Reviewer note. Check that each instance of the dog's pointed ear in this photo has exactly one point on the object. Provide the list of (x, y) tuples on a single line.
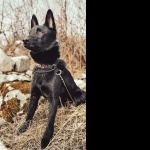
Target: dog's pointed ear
[(49, 20), (34, 21)]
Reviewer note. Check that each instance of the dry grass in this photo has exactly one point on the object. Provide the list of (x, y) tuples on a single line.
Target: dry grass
[(10, 108), (72, 48), (73, 52), (69, 130)]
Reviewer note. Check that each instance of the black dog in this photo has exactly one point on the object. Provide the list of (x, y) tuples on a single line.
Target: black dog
[(51, 78)]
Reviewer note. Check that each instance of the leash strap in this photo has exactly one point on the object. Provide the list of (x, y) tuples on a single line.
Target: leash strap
[(59, 74)]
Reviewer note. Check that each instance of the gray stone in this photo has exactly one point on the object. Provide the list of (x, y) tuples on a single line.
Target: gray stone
[(3, 78), (80, 83), (29, 73), (10, 77), (81, 76), (6, 64), (23, 78), (13, 77), (21, 63)]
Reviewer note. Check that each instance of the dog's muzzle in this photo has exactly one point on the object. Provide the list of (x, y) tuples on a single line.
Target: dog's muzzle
[(26, 41)]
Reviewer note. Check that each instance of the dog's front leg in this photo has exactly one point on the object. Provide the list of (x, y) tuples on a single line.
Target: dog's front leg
[(33, 103), (53, 102)]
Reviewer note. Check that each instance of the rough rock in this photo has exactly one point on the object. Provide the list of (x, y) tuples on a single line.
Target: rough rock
[(80, 83), (81, 76), (21, 63), (13, 77), (6, 63), (29, 73)]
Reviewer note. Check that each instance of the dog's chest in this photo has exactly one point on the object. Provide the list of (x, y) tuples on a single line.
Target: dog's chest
[(44, 78), (46, 83)]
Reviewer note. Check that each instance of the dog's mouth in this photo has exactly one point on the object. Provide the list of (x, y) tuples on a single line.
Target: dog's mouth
[(31, 48), (27, 44), (35, 48)]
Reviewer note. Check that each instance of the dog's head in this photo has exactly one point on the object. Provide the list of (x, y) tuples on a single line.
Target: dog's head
[(41, 37)]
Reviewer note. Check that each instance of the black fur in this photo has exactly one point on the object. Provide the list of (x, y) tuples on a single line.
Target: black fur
[(45, 50)]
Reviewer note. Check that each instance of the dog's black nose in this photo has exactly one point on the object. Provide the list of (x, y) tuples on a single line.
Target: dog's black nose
[(25, 41)]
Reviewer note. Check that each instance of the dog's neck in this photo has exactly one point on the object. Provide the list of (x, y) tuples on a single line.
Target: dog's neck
[(47, 57), (50, 66), (53, 44)]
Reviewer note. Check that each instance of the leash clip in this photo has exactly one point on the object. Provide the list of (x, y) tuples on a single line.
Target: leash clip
[(58, 72)]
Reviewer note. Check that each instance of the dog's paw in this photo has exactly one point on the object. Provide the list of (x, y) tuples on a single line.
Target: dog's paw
[(46, 139), (24, 127)]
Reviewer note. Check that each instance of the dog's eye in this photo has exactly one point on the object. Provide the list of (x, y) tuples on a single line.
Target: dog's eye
[(39, 33)]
